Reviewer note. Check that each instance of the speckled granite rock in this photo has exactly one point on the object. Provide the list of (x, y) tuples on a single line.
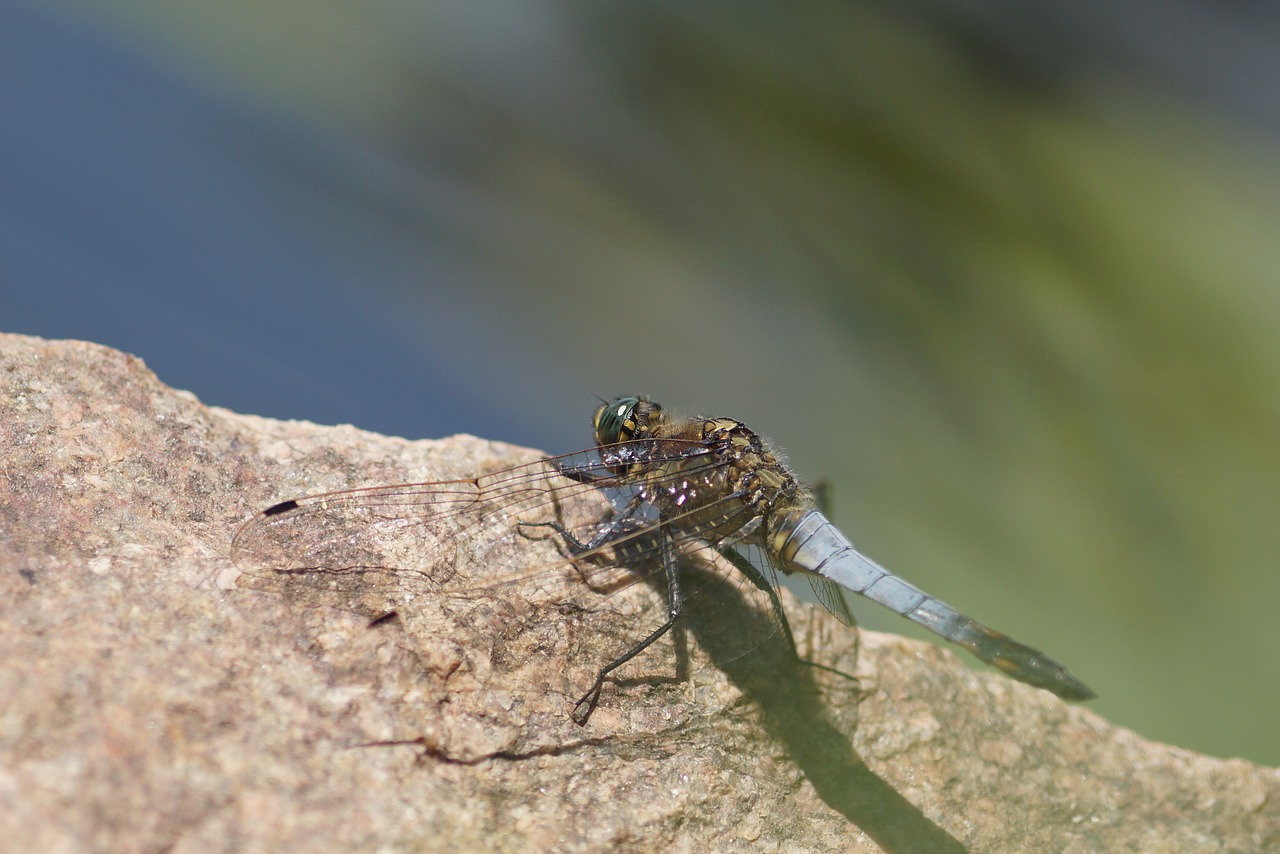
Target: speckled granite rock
[(154, 700)]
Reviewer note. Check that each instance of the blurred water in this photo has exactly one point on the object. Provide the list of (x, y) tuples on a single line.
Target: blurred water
[(146, 210)]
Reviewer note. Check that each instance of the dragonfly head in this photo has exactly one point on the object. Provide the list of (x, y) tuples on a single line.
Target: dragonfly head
[(624, 419)]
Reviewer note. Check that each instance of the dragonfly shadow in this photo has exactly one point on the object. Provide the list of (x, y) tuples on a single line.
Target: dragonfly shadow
[(795, 713)]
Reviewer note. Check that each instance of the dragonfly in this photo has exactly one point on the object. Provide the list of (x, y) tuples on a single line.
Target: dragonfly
[(657, 491)]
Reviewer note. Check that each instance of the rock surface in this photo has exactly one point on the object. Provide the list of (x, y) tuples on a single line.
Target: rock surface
[(155, 700)]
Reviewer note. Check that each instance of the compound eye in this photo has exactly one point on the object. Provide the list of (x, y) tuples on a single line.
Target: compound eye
[(614, 421)]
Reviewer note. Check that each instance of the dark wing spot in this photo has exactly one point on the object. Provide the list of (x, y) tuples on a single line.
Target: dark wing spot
[(282, 507)]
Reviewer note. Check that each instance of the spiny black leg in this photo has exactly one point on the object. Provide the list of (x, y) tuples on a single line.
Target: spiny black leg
[(576, 547), (621, 524), (587, 702)]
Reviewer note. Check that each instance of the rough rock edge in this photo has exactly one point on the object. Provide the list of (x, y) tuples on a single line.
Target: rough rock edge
[(153, 704)]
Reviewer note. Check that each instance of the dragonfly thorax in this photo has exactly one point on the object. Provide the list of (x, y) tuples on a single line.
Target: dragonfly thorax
[(726, 489)]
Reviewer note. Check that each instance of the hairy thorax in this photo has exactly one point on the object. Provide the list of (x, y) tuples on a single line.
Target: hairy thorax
[(727, 491)]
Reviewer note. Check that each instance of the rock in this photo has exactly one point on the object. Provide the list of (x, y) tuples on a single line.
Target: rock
[(160, 696)]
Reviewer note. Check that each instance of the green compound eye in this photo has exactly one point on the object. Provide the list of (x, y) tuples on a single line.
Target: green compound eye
[(614, 422)]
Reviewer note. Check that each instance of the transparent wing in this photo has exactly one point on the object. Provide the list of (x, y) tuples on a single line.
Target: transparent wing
[(829, 594), (383, 547), (453, 535)]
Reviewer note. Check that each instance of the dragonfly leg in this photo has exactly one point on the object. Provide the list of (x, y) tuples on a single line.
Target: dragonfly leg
[(619, 524), (576, 546), (587, 702)]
